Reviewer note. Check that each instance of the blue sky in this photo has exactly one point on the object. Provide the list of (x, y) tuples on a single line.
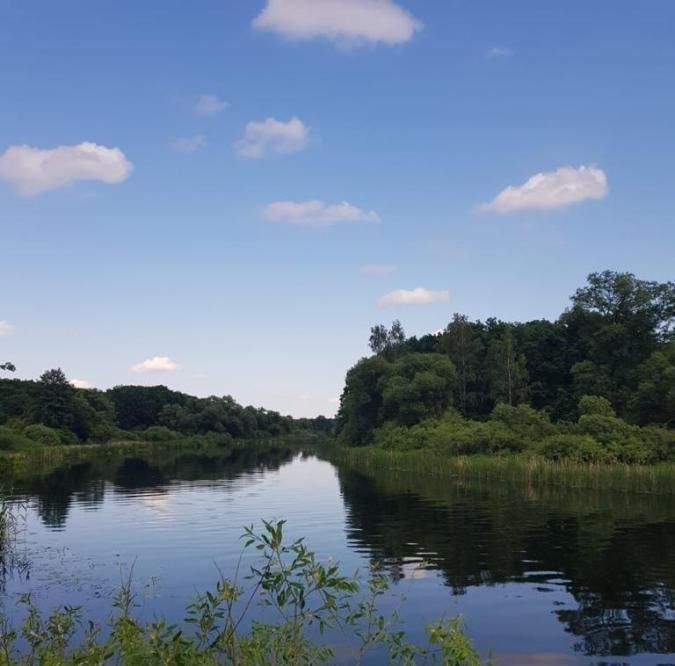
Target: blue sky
[(206, 184)]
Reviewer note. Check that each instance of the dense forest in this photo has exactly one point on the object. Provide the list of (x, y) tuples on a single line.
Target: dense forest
[(51, 411), (596, 384)]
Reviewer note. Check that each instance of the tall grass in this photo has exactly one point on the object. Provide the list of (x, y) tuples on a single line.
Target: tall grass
[(656, 479)]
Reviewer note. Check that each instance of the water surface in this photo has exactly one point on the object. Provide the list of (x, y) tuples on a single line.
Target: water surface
[(541, 575)]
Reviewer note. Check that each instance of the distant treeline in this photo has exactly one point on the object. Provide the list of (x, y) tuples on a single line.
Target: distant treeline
[(615, 343), (52, 411)]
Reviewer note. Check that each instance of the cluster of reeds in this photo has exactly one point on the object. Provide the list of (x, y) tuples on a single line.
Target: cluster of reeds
[(657, 479)]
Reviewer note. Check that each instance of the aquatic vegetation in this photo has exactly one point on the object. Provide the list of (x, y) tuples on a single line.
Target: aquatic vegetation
[(310, 602), (522, 468)]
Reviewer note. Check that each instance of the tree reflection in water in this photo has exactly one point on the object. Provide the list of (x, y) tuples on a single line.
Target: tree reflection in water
[(612, 552)]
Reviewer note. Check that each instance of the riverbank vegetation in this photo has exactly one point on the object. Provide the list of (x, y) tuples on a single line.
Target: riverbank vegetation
[(51, 412), (311, 603), (595, 386)]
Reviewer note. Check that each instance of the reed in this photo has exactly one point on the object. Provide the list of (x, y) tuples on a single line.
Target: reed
[(656, 479)]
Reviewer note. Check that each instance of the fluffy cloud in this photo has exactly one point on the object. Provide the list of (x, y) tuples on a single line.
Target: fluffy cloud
[(317, 213), (188, 144), (345, 22), (274, 136), (209, 105), (554, 189), (155, 364), (6, 328), (419, 296), (378, 269), (81, 384), (499, 52), (32, 170)]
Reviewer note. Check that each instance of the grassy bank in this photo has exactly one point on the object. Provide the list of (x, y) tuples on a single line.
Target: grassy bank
[(657, 479)]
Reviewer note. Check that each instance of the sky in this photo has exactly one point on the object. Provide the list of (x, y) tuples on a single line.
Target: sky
[(223, 197)]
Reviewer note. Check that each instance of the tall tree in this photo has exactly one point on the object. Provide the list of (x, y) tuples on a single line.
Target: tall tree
[(383, 341), (461, 342), (506, 370), (54, 405)]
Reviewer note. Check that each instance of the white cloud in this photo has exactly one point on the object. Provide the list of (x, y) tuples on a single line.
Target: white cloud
[(6, 328), (418, 296), (274, 136), (498, 52), (554, 189), (210, 105), (317, 213), (378, 269), (155, 364), (81, 384), (188, 144), (32, 170), (345, 22)]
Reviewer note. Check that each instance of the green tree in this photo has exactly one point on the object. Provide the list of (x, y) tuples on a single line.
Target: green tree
[(654, 399), (506, 370), (417, 386), (361, 401), (54, 404), (645, 307), (383, 341), (461, 342)]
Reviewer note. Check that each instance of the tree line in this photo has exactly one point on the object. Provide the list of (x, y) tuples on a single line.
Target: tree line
[(52, 411), (614, 343)]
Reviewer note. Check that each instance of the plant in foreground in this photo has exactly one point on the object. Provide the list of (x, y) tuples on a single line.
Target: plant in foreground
[(302, 600)]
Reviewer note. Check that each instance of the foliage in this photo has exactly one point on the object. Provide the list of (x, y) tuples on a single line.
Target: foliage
[(577, 448), (160, 434), (605, 367), (13, 440), (42, 434), (305, 596), (151, 413), (597, 436)]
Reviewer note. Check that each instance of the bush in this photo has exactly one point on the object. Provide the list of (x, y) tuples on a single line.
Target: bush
[(579, 448), (220, 439), (660, 442), (399, 438), (43, 434), (595, 404), (67, 436), (527, 423), (11, 440), (160, 434)]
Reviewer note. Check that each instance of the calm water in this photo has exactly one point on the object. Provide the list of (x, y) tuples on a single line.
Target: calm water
[(541, 575)]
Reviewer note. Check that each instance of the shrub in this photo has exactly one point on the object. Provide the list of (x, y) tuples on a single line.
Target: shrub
[(595, 404), (527, 423), (67, 436), (660, 442), (400, 438), (12, 440), (579, 448), (160, 434), (608, 430), (42, 434), (220, 439)]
